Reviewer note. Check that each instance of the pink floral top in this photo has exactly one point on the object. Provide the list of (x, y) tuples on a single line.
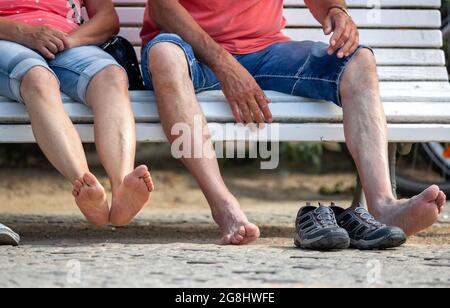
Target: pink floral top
[(55, 13)]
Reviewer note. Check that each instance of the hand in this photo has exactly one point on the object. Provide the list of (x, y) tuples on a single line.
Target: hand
[(46, 40), (346, 34), (248, 102)]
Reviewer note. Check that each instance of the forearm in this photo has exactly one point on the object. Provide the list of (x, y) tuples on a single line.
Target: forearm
[(321, 8), (165, 12), (11, 30), (96, 31)]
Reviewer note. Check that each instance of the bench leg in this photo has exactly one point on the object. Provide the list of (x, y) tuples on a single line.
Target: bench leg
[(393, 166)]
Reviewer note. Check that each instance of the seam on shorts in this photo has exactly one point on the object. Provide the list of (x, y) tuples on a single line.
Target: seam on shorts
[(208, 88), (302, 68), (293, 77), (78, 72)]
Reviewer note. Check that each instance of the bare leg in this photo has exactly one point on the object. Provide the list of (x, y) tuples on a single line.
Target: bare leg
[(366, 134), (178, 104), (61, 143), (115, 136)]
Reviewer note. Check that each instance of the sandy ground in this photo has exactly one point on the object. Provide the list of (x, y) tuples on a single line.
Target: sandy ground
[(173, 240)]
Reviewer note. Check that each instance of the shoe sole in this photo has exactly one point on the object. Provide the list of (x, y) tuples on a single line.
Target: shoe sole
[(7, 239), (393, 240), (324, 243)]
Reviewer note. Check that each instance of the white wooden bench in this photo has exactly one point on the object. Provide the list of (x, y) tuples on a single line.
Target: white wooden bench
[(414, 82)]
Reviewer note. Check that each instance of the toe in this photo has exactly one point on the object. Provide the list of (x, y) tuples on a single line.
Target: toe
[(150, 185), (430, 194), (441, 199), (252, 230), (90, 179), (242, 231), (77, 186), (141, 171), (237, 239)]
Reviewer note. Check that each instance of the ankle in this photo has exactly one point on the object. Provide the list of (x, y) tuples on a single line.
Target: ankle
[(378, 205)]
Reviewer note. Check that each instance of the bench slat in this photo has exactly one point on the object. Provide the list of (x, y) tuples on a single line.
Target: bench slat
[(287, 132), (372, 37), (390, 91), (364, 18), (351, 3), (284, 110)]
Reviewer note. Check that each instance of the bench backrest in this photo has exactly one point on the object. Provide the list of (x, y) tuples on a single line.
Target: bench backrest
[(404, 33)]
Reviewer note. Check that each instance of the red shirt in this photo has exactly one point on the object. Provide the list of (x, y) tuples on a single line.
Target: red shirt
[(55, 13), (240, 26)]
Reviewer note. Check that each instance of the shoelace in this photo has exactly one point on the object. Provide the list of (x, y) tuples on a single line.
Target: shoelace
[(325, 217), (368, 217)]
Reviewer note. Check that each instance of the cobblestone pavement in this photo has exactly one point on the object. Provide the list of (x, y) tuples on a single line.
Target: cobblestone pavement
[(162, 250)]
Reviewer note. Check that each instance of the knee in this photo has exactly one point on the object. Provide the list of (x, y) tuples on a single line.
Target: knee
[(167, 61), (39, 81), (112, 77), (364, 62), (361, 71), (366, 59)]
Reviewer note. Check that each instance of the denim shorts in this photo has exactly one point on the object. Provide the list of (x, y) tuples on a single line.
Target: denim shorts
[(297, 68), (74, 68)]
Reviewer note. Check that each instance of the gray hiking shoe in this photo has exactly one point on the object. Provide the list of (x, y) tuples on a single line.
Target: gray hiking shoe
[(8, 237), (317, 229), (365, 232)]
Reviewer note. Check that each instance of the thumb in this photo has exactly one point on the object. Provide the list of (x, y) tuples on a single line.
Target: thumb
[(327, 25)]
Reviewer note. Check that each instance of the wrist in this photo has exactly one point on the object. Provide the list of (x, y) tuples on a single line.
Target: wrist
[(73, 42), (335, 9), (222, 62), (19, 32)]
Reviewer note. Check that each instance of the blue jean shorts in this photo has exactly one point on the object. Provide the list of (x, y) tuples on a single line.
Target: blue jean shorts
[(74, 68), (297, 68)]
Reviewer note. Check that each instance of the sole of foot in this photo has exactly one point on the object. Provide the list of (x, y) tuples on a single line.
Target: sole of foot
[(91, 199), (130, 197), (416, 214)]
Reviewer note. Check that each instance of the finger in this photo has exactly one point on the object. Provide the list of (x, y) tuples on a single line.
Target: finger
[(46, 53), (355, 45), (62, 36), (345, 37), (51, 47), (336, 38), (345, 50), (236, 112), (353, 48), (58, 43), (66, 42), (247, 115), (327, 26), (263, 103), (256, 111)]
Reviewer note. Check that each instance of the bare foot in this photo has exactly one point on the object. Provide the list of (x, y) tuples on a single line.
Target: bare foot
[(130, 197), (90, 197), (236, 228), (416, 214)]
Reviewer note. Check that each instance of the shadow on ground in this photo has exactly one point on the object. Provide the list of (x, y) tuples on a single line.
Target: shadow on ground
[(55, 230)]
